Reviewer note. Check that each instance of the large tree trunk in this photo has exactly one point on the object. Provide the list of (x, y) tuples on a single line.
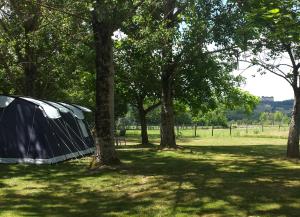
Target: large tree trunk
[(143, 121), (167, 133), (104, 114), (293, 139)]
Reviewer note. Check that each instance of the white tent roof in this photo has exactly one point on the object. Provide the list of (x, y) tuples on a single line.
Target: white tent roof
[(59, 107), (50, 109), (76, 111)]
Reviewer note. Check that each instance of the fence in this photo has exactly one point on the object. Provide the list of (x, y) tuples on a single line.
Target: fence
[(217, 131)]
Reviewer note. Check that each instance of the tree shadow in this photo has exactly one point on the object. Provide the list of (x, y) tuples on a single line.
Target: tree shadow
[(254, 186), (218, 180)]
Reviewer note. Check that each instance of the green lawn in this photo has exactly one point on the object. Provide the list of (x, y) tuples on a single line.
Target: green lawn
[(219, 176)]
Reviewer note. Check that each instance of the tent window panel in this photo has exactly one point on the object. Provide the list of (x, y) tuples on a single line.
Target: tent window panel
[(83, 128)]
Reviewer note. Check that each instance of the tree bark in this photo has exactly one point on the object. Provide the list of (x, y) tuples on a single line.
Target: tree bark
[(143, 117), (104, 114), (167, 133), (30, 70), (294, 129), (144, 131)]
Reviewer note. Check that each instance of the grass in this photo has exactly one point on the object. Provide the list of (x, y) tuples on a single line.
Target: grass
[(210, 176), (251, 131)]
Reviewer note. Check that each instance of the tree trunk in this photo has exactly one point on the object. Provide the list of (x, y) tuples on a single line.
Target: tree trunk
[(167, 133), (104, 114), (294, 130), (31, 24), (30, 70), (143, 122)]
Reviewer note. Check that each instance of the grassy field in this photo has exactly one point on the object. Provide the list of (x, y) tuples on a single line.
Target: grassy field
[(209, 176), (244, 131)]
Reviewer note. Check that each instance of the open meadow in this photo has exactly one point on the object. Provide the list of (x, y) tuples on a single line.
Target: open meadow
[(208, 176)]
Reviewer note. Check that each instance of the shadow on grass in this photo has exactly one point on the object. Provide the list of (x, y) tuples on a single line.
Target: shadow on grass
[(219, 180), (137, 146), (265, 151)]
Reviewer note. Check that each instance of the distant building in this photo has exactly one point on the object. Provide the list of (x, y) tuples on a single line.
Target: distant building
[(267, 98)]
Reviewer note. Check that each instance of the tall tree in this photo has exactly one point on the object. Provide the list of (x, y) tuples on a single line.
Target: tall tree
[(272, 31), (181, 34), (138, 76), (107, 17), (38, 46), (167, 133), (21, 21), (192, 71)]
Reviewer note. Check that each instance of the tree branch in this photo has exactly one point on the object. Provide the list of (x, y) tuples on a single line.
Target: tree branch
[(282, 64), (220, 50), (63, 11), (270, 70), (150, 108), (289, 50), (297, 66)]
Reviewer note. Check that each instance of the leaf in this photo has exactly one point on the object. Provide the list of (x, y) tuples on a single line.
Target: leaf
[(274, 11)]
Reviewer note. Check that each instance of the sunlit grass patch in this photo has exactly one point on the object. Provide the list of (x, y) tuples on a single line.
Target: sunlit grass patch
[(206, 177)]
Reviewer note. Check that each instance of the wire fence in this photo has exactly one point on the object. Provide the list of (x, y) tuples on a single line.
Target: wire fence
[(268, 131)]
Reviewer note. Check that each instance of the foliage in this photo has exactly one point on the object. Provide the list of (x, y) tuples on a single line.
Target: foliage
[(53, 44), (271, 31), (263, 117)]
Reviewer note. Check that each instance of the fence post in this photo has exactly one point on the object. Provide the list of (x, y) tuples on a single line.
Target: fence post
[(212, 130)]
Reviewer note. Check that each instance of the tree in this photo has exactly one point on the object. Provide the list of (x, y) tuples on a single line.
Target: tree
[(271, 32), (167, 133), (278, 117), (36, 60), (107, 17), (138, 76), (189, 71), (263, 117)]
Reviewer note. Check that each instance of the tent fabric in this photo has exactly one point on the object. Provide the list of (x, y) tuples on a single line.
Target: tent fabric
[(49, 111), (37, 131), (76, 111), (5, 101)]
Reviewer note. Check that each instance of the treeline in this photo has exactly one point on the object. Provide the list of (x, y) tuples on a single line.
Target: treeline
[(271, 109), (217, 117)]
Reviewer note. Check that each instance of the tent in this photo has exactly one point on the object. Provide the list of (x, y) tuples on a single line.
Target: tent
[(42, 132)]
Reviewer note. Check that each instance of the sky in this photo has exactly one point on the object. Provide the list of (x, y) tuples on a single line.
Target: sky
[(265, 85)]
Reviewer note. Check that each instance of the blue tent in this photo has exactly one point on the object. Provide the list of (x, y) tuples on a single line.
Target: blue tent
[(42, 132)]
